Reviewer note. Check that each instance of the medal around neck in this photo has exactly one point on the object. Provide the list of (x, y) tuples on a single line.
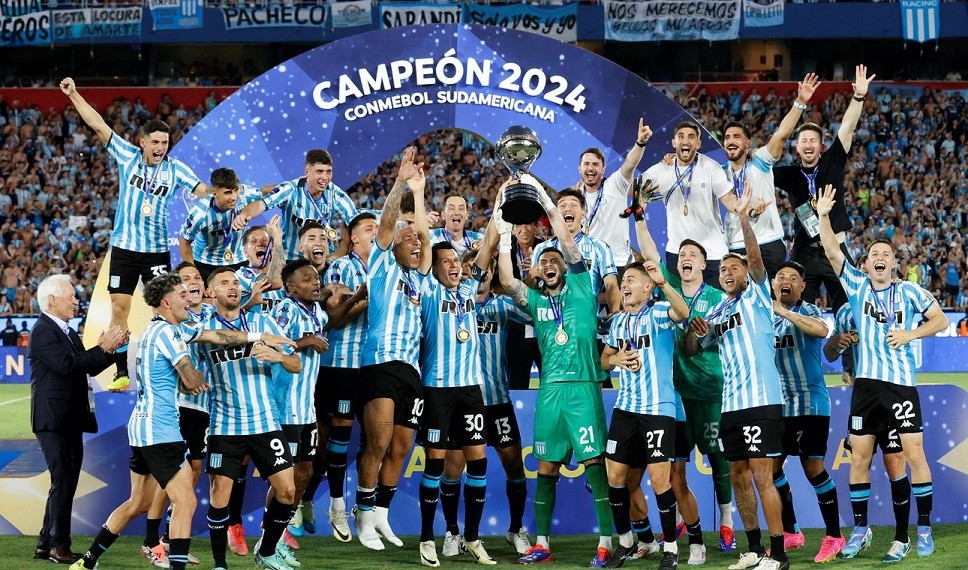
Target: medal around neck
[(561, 337), (463, 335), (518, 148)]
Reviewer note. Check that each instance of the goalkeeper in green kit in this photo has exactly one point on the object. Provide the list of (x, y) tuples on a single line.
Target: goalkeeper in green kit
[(569, 415)]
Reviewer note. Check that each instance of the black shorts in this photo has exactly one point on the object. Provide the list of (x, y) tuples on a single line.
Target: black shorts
[(806, 436), (162, 460), (303, 440), (638, 440), (683, 444), (399, 382), (269, 451), (205, 269), (877, 406), (887, 440), (335, 394), (194, 428), (501, 426), (752, 434), (454, 415), (127, 267)]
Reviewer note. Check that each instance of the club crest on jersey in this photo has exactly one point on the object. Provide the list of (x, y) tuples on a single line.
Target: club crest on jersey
[(540, 447), (215, 460), (433, 436), (343, 406), (702, 306)]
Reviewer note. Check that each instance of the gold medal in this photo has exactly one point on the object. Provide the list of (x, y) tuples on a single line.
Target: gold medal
[(463, 335), (635, 365), (146, 208), (685, 209), (414, 300), (332, 234), (561, 337), (476, 246), (227, 256), (854, 337)]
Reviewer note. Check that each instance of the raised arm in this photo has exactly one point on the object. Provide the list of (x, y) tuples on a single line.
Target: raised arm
[(568, 246), (754, 258), (391, 208), (185, 248), (804, 323), (87, 112), (505, 268), (856, 106), (650, 251), (805, 90), (417, 184), (251, 210), (192, 380), (634, 156), (825, 202), (678, 309)]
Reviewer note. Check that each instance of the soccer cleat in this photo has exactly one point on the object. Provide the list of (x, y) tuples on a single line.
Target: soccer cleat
[(643, 549), (295, 526), (337, 519), (768, 563), (274, 562), (383, 526), (793, 540), (697, 554), (925, 542), (601, 557), (727, 539), (289, 540), (453, 544), (119, 384), (476, 549), (859, 540), (520, 541), (79, 565), (747, 560), (309, 517), (669, 561), (287, 555), (366, 529), (897, 551), (155, 555), (428, 554), (535, 555), (237, 540), (192, 560), (618, 558), (830, 547)]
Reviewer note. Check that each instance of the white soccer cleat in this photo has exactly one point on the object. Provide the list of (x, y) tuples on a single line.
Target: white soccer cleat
[(520, 541), (452, 545), (428, 554), (476, 549), (366, 529), (341, 528)]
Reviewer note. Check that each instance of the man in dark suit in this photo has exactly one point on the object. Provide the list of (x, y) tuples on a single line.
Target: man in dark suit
[(61, 405)]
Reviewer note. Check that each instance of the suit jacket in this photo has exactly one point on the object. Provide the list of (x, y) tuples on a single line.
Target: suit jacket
[(59, 366)]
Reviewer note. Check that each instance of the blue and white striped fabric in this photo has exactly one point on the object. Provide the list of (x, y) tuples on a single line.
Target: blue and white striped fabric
[(154, 419), (492, 319), (298, 207), (346, 342), (270, 298), (743, 327), (190, 328), (873, 357), (293, 393), (393, 314), (844, 320), (598, 257), (649, 390), (141, 223), (461, 246), (444, 361), (208, 228), (798, 362)]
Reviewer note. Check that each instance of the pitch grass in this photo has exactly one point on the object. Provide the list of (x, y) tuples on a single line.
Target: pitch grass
[(567, 551)]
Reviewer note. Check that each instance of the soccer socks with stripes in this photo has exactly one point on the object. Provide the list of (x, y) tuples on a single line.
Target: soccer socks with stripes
[(449, 503), (273, 524), (517, 492), (860, 494), (826, 491), (595, 474), (901, 498), (365, 498), (544, 503), (786, 500), (384, 495), (475, 492), (643, 530), (619, 500), (237, 498), (99, 546), (924, 496), (429, 493), (339, 441), (178, 553), (218, 529), (152, 526), (667, 516)]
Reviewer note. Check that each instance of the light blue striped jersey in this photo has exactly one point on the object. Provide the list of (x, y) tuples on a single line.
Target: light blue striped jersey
[(598, 257), (154, 419), (269, 298), (298, 207), (393, 313), (492, 331), (798, 362), (346, 342), (240, 384), (202, 401), (743, 327), (210, 230), (844, 320), (873, 357), (471, 242), (141, 223), (293, 393), (649, 390), (446, 362)]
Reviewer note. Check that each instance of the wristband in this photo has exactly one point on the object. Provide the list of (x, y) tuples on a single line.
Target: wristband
[(640, 145), (859, 98), (253, 337), (801, 106)]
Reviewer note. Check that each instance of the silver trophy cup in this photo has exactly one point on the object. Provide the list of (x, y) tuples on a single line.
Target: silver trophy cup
[(518, 148)]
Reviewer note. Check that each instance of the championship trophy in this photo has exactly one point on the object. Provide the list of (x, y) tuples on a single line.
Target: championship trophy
[(518, 148)]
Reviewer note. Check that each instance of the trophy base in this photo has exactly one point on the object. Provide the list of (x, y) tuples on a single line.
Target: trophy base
[(521, 204)]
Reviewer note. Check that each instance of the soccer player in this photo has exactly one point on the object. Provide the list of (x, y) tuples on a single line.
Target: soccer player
[(313, 197), (569, 417), (206, 237), (885, 391), (455, 221), (522, 347), (390, 391), (799, 330), (261, 279), (642, 432), (757, 167), (148, 180), (751, 428), (244, 421), (314, 246)]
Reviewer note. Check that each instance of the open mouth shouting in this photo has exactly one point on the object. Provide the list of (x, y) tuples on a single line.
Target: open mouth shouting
[(879, 268), (415, 256), (195, 292), (318, 255), (686, 269)]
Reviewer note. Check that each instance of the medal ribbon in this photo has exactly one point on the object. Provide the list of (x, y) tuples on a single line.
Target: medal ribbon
[(739, 178), (724, 309), (266, 257), (411, 288), (245, 325), (811, 181), (312, 314), (632, 328), (359, 259), (695, 299), (467, 239), (687, 188), (149, 184), (323, 218), (557, 309), (459, 301), (889, 315), (598, 203)]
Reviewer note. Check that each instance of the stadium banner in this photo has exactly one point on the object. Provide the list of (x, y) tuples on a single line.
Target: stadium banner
[(676, 20), (97, 23), (105, 478), (397, 14), (30, 29), (352, 14), (558, 22), (920, 20), (276, 17), (763, 13), (176, 14), (14, 366)]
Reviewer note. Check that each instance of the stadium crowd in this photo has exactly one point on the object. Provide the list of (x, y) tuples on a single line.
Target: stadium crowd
[(905, 181)]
